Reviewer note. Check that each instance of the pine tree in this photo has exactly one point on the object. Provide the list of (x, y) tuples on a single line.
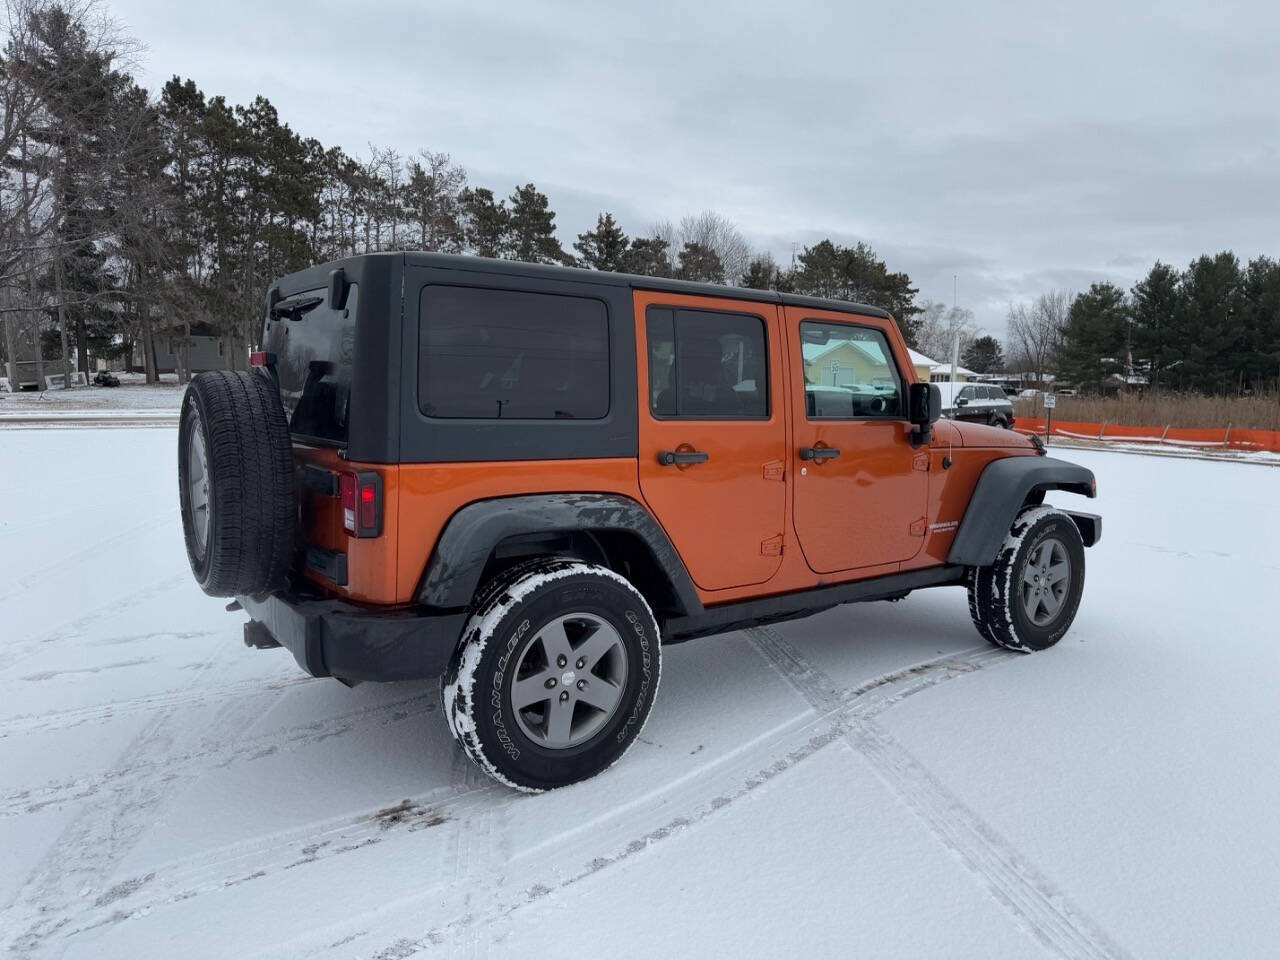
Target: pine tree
[(648, 257), (486, 223), (761, 274), (855, 273), (983, 355), (78, 87), (532, 228), (603, 248), (1262, 292), (1154, 301), (700, 263), (1209, 322), (1095, 343)]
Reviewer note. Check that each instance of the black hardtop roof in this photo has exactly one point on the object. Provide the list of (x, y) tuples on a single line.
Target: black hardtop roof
[(516, 268)]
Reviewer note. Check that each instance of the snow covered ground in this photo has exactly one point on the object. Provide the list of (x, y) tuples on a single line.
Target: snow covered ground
[(871, 781), (132, 394)]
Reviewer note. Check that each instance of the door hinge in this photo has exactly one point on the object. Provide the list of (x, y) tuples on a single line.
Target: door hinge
[(917, 527), (774, 470), (921, 462), (771, 547)]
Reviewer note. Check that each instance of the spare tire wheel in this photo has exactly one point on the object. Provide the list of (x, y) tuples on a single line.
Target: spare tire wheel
[(236, 483)]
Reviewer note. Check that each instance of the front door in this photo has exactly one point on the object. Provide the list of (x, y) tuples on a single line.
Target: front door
[(860, 487), (713, 433)]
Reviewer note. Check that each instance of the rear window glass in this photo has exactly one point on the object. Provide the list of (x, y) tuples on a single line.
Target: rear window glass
[(506, 354), (315, 351)]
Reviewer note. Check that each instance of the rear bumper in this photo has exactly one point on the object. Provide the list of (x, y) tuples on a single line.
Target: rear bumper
[(330, 638)]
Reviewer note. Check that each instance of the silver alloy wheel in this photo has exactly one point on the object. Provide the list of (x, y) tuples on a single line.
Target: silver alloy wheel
[(1046, 580), (198, 487), (569, 680)]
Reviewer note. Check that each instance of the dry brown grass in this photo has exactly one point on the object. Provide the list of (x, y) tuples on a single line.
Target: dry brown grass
[(1164, 410)]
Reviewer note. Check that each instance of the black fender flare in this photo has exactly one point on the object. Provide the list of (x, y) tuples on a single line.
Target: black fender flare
[(1001, 491), (468, 539)]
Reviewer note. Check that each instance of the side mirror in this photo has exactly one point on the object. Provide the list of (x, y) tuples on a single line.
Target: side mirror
[(924, 405), (337, 289), (962, 402)]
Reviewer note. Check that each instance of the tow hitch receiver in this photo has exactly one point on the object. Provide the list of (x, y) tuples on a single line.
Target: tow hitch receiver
[(259, 637)]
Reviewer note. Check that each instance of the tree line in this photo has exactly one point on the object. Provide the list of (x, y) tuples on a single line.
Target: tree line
[(126, 216), (1213, 328)]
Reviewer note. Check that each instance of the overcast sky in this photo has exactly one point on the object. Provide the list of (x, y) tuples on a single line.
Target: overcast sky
[(1018, 146)]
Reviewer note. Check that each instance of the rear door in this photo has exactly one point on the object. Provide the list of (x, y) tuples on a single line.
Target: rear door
[(860, 488), (713, 433)]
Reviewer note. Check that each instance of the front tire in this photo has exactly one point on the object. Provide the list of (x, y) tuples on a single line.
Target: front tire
[(555, 674), (1028, 598)]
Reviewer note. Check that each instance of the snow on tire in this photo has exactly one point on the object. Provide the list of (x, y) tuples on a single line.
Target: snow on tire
[(236, 484), (1027, 599), (555, 674)]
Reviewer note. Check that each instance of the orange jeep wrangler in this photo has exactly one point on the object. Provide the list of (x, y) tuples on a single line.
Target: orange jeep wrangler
[(526, 479)]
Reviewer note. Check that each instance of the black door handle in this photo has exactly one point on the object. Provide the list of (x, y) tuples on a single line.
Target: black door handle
[(818, 453), (671, 458)]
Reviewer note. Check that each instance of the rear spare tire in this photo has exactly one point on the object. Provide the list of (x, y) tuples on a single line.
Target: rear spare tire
[(235, 483)]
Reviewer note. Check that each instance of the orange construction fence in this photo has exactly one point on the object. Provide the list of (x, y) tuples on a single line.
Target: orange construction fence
[(1233, 438)]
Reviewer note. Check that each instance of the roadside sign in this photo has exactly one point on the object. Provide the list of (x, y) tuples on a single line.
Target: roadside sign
[(1050, 401)]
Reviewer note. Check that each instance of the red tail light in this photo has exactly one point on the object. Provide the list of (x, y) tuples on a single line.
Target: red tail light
[(361, 495), (260, 358)]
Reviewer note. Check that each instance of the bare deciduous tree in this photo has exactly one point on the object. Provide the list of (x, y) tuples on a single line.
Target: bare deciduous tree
[(1035, 332), (432, 201), (712, 231), (938, 326)]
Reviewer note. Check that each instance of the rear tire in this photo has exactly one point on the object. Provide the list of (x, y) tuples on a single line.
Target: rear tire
[(534, 721), (1028, 598), (236, 484)]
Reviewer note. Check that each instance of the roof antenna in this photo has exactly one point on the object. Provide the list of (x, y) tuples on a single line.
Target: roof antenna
[(955, 360)]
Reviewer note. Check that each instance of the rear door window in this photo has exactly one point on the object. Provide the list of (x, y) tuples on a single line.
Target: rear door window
[(706, 365), (315, 351), (493, 354)]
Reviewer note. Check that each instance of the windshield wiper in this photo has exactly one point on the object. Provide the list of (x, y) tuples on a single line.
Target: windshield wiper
[(294, 309)]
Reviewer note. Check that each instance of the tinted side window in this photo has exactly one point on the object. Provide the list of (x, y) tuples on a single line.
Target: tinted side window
[(491, 354), (707, 366), (849, 373)]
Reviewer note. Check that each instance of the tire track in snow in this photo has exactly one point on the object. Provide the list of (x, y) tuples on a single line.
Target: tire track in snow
[(86, 853), (166, 701), (699, 795), (243, 862), (1038, 906), (212, 752), (12, 652), (476, 853), (32, 577)]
